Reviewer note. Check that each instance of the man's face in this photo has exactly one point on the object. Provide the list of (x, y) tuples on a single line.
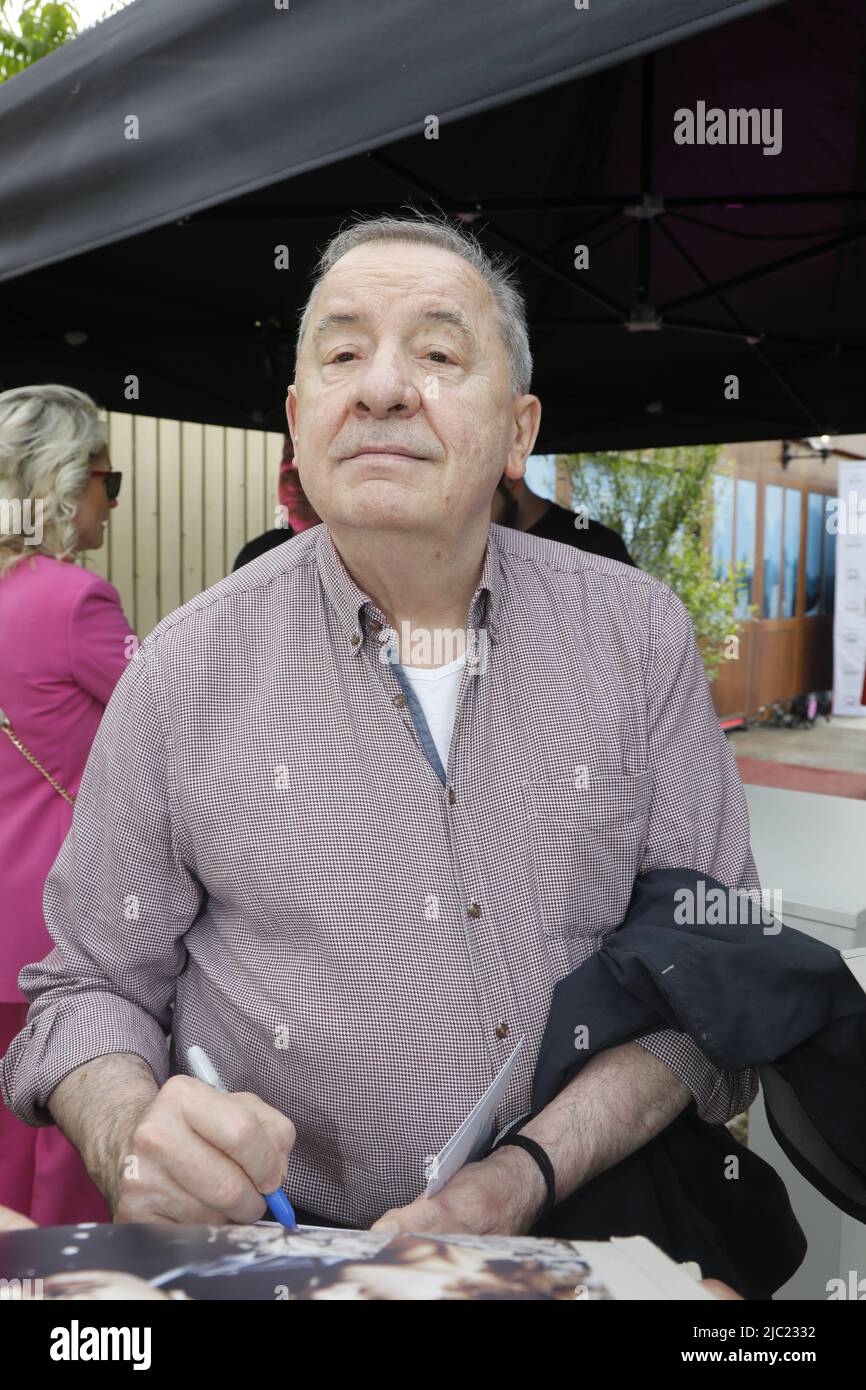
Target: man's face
[(403, 351)]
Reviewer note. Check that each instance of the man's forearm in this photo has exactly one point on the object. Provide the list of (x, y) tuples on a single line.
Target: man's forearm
[(96, 1106), (619, 1101)]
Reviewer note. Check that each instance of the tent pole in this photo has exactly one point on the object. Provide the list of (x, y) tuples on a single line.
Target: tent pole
[(771, 267), (644, 249)]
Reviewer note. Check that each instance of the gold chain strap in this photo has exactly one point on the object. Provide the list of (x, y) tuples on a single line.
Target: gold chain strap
[(7, 729)]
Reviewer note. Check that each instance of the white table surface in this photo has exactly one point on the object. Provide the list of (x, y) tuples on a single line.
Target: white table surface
[(813, 850)]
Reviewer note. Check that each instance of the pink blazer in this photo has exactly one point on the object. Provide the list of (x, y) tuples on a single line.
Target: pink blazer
[(64, 641)]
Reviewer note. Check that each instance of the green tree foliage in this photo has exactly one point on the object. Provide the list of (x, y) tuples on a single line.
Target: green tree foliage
[(661, 502), (31, 28)]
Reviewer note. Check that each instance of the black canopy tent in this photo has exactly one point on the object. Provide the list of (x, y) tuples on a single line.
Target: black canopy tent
[(257, 127)]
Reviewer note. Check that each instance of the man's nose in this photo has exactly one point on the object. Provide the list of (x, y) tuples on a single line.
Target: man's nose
[(387, 388)]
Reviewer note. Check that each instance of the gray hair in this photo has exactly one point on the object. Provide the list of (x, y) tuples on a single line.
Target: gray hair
[(48, 436), (498, 274)]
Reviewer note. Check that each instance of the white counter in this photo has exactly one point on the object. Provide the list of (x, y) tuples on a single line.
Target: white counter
[(813, 850)]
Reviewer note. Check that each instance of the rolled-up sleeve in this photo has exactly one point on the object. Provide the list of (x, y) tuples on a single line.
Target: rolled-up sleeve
[(117, 903), (698, 819)]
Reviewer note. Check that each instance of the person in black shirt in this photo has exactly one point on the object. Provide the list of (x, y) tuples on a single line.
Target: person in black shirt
[(516, 505), (260, 544)]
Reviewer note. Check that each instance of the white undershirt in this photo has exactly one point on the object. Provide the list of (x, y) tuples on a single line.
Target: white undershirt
[(437, 690)]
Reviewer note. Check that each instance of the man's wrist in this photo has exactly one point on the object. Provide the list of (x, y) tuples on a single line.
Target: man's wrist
[(523, 1181), (97, 1106)]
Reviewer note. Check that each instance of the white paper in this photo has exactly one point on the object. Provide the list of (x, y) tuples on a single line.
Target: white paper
[(633, 1268), (856, 963), (475, 1134)]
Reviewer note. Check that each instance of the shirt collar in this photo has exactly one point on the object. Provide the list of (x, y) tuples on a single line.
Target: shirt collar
[(360, 617)]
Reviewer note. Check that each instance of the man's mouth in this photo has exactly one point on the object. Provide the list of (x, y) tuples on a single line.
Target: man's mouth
[(379, 451)]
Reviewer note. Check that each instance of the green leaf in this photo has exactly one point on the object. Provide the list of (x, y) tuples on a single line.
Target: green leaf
[(660, 500)]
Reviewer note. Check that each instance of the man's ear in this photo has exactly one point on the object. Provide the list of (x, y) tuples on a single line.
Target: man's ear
[(512, 477), (292, 412)]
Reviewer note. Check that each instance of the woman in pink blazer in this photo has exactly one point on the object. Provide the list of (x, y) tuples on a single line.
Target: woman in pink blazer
[(64, 643)]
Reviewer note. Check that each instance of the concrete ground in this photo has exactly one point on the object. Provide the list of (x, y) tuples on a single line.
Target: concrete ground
[(840, 744)]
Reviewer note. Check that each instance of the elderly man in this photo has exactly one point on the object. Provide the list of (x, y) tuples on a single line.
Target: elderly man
[(350, 864)]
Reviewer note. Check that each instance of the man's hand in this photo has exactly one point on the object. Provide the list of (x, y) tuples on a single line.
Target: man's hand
[(181, 1153), (503, 1195), (621, 1099), (13, 1220), (195, 1155), (721, 1290)]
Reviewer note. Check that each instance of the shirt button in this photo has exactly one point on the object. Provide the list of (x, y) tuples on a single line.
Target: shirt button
[(502, 1030), (355, 638), (474, 909), (452, 796), (399, 701), (375, 626)]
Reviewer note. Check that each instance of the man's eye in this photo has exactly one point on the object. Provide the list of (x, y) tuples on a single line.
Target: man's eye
[(348, 354)]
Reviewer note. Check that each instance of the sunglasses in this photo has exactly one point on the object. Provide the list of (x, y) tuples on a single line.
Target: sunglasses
[(111, 479)]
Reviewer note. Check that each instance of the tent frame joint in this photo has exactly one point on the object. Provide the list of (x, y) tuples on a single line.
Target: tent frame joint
[(650, 206)]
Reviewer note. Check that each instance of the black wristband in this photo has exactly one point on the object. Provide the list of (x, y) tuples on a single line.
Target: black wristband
[(544, 1163)]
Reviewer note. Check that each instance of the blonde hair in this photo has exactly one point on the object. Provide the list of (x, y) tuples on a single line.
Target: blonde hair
[(48, 436)]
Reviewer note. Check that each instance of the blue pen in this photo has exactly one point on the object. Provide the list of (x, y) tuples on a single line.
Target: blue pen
[(204, 1069)]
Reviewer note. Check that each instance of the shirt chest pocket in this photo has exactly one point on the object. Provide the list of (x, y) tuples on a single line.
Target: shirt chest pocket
[(585, 847)]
